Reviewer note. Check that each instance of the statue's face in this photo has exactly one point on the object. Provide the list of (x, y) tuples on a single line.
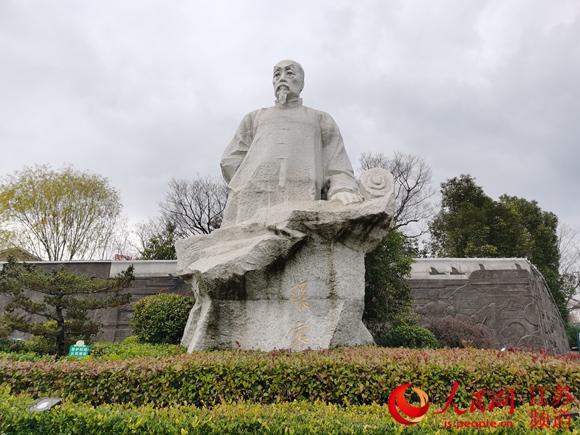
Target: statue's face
[(287, 79)]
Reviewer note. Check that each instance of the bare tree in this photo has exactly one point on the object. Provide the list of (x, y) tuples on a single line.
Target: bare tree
[(194, 206), (569, 247), (145, 230), (123, 244), (413, 191)]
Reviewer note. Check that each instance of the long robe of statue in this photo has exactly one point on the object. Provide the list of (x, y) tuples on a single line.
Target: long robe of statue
[(281, 154)]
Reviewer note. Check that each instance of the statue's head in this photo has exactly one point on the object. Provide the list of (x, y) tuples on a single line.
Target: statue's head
[(288, 80)]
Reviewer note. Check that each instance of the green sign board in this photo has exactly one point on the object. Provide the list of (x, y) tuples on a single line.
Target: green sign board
[(78, 350)]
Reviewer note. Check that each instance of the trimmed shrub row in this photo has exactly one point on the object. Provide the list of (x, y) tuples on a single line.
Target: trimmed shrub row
[(240, 418), (361, 375), (130, 348)]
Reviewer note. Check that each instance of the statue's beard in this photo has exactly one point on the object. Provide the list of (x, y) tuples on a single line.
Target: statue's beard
[(282, 94)]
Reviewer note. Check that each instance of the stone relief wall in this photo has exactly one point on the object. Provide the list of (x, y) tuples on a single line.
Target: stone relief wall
[(508, 296)]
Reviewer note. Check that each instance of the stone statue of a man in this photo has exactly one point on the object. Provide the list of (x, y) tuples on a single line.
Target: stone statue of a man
[(286, 269), (284, 153)]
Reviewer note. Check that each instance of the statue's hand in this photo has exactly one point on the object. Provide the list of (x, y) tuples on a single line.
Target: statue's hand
[(347, 197)]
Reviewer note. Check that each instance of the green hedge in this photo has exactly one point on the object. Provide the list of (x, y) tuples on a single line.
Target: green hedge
[(361, 375), (414, 337), (133, 349), (161, 318), (130, 348), (298, 418)]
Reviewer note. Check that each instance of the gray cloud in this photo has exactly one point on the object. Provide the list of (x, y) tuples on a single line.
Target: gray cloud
[(144, 91)]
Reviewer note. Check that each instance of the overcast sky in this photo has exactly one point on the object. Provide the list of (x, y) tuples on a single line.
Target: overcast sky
[(142, 91)]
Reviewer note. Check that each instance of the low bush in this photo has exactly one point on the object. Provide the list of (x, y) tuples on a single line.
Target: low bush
[(11, 345), (44, 344), (35, 346), (451, 332), (361, 375), (161, 318), (414, 337), (298, 418), (25, 356), (132, 349)]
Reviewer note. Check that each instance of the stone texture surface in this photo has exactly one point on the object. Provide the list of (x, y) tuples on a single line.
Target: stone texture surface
[(294, 281), (508, 296), (285, 153)]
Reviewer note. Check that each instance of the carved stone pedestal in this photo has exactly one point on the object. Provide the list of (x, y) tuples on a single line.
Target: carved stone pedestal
[(293, 280)]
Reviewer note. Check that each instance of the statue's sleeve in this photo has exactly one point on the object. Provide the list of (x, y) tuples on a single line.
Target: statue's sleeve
[(338, 169), (237, 149)]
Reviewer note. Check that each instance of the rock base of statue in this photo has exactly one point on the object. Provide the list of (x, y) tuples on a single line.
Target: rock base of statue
[(292, 279)]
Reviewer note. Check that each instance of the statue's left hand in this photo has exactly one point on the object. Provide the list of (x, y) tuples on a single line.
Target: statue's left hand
[(347, 197)]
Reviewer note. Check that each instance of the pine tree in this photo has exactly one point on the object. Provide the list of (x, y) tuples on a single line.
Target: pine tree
[(62, 298)]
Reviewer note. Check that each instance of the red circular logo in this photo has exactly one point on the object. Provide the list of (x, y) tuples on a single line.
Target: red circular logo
[(397, 402)]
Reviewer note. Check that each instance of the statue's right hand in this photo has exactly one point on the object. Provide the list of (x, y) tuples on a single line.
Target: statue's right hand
[(347, 197)]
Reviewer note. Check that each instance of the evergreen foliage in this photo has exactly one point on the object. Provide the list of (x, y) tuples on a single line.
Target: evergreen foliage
[(62, 298), (161, 318), (356, 375), (388, 299), (472, 225), (161, 246), (132, 348), (244, 418), (414, 337), (5, 329)]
